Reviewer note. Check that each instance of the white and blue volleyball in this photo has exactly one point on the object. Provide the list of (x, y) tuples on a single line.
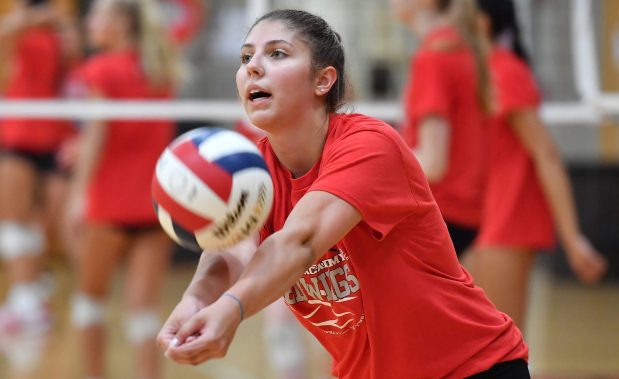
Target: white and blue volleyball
[(211, 189)]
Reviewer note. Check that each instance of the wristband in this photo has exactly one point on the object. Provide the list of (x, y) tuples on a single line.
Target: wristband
[(238, 301)]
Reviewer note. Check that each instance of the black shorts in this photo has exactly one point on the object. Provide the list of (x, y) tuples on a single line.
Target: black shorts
[(134, 229), (461, 236), (517, 369), (43, 162)]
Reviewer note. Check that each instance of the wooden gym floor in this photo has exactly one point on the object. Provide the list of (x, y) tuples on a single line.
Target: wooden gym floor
[(573, 333)]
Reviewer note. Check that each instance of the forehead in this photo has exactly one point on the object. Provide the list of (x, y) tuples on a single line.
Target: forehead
[(271, 30)]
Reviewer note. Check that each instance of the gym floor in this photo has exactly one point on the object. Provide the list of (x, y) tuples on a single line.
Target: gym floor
[(573, 333)]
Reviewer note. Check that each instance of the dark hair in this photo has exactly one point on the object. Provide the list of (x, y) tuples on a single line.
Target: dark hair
[(504, 23), (325, 45), (443, 5), (34, 3)]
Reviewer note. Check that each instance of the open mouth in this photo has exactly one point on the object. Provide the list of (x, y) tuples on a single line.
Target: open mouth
[(257, 95)]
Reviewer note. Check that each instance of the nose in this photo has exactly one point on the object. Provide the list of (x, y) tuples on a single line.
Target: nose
[(254, 66)]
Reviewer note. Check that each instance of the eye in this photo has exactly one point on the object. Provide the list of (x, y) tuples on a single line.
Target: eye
[(278, 54), (245, 58)]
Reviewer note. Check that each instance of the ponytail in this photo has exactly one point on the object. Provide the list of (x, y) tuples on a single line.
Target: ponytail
[(156, 56), (505, 28), (465, 15)]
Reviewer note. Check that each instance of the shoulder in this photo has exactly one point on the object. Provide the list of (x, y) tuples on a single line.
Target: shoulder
[(102, 59), (362, 135), (507, 65), (347, 125), (441, 41)]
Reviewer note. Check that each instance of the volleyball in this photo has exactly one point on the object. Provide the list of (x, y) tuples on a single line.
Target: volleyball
[(211, 189)]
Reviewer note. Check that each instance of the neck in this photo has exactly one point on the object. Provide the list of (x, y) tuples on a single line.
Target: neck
[(426, 22), (299, 148)]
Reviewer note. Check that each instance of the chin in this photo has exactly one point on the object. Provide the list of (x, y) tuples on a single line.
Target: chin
[(262, 121)]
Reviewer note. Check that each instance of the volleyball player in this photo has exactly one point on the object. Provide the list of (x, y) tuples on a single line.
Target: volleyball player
[(445, 102), (31, 183), (110, 196), (355, 240), (528, 191)]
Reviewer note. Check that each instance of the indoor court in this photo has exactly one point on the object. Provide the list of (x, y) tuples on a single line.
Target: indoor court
[(572, 329)]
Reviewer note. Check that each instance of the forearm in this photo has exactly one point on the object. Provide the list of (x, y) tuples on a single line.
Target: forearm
[(277, 265), (215, 273), (556, 186), (92, 140)]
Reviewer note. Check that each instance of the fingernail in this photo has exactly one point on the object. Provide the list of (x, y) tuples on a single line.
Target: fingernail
[(173, 343)]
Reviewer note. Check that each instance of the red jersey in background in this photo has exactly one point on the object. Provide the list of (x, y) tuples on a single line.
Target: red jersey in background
[(119, 191), (516, 213), (444, 83)]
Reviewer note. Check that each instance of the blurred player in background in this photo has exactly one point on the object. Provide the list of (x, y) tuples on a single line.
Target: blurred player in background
[(110, 204), (31, 183), (445, 105), (528, 190)]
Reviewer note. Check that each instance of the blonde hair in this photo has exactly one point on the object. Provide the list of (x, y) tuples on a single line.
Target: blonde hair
[(157, 57), (465, 15)]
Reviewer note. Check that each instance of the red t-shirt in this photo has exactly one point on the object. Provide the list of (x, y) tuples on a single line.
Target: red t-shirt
[(390, 300), (36, 72), (444, 83), (119, 191), (516, 213)]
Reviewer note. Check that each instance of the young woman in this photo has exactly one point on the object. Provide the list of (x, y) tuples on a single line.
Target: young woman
[(355, 241), (31, 184), (110, 195), (445, 102), (528, 189)]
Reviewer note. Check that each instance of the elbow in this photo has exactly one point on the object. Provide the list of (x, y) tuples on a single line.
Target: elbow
[(296, 245)]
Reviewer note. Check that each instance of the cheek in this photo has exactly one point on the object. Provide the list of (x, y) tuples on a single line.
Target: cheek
[(241, 76), (294, 80)]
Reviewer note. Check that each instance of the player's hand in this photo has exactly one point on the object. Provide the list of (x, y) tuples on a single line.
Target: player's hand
[(586, 262), (207, 334), (182, 313)]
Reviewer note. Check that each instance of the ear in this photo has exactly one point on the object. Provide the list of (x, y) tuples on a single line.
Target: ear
[(325, 79)]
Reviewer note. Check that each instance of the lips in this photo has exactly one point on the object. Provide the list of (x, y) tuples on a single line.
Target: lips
[(256, 94)]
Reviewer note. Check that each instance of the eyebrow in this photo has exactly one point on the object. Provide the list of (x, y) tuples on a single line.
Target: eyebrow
[(272, 42)]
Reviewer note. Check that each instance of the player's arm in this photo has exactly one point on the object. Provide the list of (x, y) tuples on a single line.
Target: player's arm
[(318, 221), (432, 151), (91, 141), (215, 273), (588, 264), (218, 271)]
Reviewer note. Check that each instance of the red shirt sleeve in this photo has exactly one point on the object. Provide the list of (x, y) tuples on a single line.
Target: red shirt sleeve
[(429, 92), (367, 170), (517, 87)]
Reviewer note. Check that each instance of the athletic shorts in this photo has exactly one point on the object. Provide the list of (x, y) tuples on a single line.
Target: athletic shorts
[(517, 369), (43, 162), (461, 236), (135, 229)]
